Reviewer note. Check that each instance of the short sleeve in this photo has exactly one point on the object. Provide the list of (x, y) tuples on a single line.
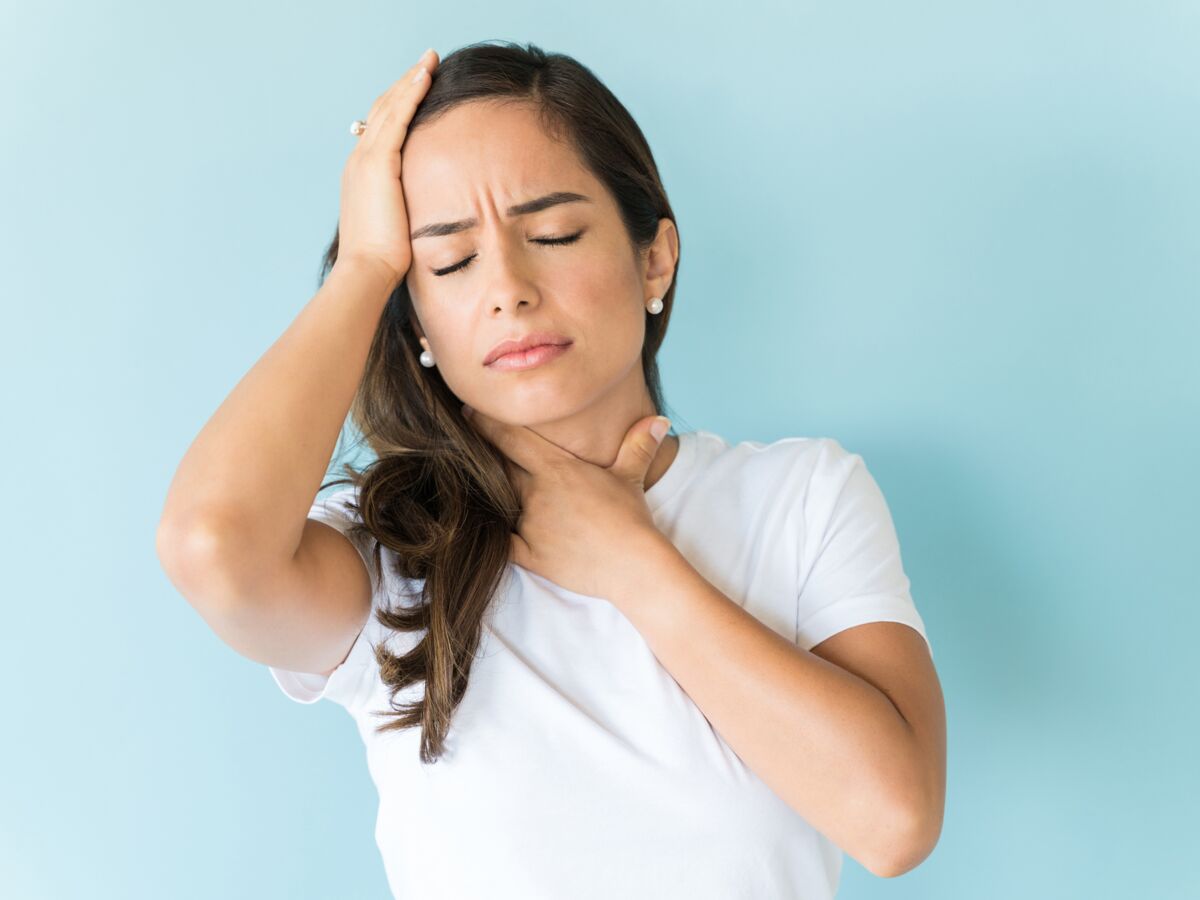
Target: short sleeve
[(350, 683), (852, 572)]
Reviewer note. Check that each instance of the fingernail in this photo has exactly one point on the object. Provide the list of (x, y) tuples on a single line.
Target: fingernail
[(659, 428), (421, 73)]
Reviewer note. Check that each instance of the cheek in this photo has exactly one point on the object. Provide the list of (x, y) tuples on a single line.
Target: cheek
[(615, 329), (605, 302), (448, 337), (600, 281)]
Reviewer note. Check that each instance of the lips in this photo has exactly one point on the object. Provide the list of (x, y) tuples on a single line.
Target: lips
[(525, 342)]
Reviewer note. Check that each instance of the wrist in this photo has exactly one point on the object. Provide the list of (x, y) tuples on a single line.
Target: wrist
[(382, 277), (651, 556)]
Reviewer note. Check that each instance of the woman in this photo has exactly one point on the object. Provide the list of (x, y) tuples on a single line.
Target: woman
[(586, 659)]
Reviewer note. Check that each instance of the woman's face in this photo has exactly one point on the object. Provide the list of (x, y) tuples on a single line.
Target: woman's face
[(476, 163)]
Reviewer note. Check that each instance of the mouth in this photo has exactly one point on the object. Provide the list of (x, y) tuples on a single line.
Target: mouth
[(520, 343), (520, 360)]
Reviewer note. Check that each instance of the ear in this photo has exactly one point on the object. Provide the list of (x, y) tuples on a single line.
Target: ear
[(420, 333), (660, 258)]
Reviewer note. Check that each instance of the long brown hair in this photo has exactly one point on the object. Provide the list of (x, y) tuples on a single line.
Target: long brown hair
[(438, 494)]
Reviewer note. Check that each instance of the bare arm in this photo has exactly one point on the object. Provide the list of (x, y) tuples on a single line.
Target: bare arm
[(234, 527), (851, 734), (244, 487)]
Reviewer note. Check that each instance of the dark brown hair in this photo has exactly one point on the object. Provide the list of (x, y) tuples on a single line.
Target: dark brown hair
[(438, 493)]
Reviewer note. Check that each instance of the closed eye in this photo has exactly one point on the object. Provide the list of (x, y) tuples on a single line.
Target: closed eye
[(549, 242)]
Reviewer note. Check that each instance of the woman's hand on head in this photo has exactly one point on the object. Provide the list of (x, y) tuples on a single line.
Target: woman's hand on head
[(373, 220)]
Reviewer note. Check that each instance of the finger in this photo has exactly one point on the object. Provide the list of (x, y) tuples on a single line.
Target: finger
[(374, 115), (390, 118), (398, 108), (639, 449)]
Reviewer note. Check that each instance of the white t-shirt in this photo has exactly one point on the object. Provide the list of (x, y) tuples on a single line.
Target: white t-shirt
[(576, 766)]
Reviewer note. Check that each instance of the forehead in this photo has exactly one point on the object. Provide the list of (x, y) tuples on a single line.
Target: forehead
[(499, 149)]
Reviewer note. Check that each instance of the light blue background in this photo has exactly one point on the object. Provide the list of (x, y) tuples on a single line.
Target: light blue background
[(960, 238)]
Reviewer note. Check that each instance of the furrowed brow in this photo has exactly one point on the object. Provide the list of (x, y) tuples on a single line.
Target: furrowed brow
[(440, 229)]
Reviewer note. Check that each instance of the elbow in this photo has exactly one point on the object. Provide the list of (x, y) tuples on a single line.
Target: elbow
[(185, 552), (195, 558), (910, 842), (916, 800)]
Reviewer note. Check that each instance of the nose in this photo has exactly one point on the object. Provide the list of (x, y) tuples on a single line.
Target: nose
[(508, 281)]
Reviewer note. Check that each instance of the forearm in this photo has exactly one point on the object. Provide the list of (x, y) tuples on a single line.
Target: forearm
[(248, 479), (828, 743)]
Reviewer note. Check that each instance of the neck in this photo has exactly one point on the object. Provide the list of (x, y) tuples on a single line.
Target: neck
[(596, 433)]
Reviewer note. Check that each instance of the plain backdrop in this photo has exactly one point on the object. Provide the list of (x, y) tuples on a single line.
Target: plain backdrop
[(960, 238)]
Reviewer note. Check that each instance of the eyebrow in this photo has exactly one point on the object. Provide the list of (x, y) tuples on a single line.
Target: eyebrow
[(440, 229)]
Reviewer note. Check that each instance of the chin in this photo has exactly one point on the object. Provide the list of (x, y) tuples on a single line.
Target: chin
[(530, 411)]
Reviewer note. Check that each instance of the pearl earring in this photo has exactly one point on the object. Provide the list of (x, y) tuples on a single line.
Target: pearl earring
[(426, 359), (655, 306)]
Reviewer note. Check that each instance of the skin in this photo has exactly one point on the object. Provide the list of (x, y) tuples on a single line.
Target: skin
[(475, 162)]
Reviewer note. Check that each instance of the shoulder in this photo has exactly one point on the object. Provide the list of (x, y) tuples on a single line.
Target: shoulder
[(800, 462), (796, 478)]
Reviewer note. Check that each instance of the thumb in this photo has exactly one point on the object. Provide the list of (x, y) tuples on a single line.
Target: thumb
[(640, 446)]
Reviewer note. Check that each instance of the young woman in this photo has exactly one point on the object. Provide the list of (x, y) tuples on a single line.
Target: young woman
[(586, 659)]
